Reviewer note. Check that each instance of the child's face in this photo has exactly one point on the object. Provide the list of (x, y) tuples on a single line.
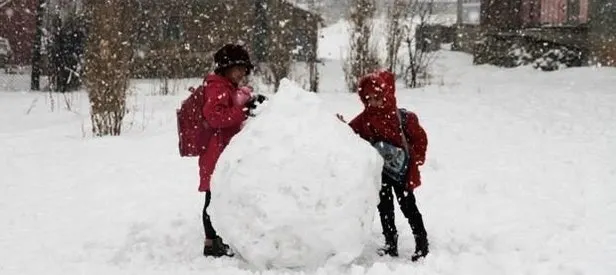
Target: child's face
[(375, 101), (236, 74)]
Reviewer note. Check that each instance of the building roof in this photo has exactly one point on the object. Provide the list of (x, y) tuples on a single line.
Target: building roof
[(302, 6), (298, 5), (440, 1)]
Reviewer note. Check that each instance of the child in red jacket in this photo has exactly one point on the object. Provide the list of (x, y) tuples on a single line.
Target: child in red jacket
[(226, 107), (380, 121)]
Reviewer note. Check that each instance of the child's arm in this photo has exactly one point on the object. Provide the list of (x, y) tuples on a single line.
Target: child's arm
[(419, 137), (356, 125), (219, 111)]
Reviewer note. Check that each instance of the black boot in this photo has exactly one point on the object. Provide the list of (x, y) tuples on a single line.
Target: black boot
[(421, 247), (391, 246), (217, 249)]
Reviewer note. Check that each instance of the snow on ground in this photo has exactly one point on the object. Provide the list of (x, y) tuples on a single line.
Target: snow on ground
[(519, 180), (333, 40), (519, 177)]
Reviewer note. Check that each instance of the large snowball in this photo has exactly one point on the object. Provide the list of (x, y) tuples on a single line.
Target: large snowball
[(296, 187)]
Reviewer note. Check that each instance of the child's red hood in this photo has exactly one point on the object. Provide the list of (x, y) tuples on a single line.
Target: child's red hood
[(381, 84)]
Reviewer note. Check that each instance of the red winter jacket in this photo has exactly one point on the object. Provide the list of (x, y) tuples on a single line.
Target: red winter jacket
[(382, 124), (225, 117)]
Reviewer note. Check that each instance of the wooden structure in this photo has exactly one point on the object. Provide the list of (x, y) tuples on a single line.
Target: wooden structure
[(18, 24), (516, 14), (468, 12), (602, 32), (466, 30), (582, 25), (178, 39)]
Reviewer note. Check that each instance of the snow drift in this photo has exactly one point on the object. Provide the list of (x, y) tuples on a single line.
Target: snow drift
[(296, 187)]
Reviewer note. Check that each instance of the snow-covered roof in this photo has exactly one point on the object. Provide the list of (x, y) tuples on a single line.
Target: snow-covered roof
[(298, 5), (304, 7)]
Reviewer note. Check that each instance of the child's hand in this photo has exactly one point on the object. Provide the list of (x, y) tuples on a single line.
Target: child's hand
[(253, 103), (340, 117), (412, 186), (247, 89)]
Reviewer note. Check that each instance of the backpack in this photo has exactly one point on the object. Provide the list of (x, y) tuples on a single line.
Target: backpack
[(193, 131)]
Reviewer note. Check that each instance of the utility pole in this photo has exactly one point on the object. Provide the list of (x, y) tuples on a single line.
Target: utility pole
[(35, 84)]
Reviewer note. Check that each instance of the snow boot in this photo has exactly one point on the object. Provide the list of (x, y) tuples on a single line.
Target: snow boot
[(218, 249), (421, 247), (391, 246)]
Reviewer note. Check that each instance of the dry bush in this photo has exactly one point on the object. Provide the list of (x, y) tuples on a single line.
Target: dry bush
[(279, 47), (419, 61), (396, 14), (362, 56), (108, 58)]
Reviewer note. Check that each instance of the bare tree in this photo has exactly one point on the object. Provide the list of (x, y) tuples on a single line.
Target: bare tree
[(313, 62), (171, 68), (108, 55), (279, 63), (420, 59), (279, 43), (396, 14), (362, 57), (4, 3)]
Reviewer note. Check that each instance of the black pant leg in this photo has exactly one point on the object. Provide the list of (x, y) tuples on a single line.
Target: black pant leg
[(408, 205), (210, 233), (386, 210)]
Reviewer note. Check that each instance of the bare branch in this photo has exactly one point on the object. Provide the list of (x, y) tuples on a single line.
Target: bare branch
[(108, 56), (419, 12), (362, 57), (395, 31), (4, 3)]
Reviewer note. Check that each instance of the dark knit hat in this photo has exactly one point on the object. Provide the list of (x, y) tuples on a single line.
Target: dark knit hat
[(232, 55)]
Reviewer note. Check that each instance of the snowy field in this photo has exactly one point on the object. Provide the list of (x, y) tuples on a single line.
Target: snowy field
[(520, 179)]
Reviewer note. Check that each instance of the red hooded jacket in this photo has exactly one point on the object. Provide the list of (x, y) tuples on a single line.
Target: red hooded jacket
[(225, 116), (382, 123)]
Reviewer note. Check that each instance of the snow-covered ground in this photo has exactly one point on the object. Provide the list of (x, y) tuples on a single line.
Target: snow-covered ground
[(520, 179), (333, 40)]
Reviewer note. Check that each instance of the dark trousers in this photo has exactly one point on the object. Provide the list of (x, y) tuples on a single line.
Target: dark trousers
[(210, 233), (407, 203)]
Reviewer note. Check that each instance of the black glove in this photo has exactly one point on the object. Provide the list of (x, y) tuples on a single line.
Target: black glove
[(253, 102)]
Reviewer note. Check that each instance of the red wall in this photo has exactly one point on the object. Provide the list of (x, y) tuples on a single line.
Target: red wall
[(19, 28), (551, 12), (554, 12), (530, 11), (584, 11)]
